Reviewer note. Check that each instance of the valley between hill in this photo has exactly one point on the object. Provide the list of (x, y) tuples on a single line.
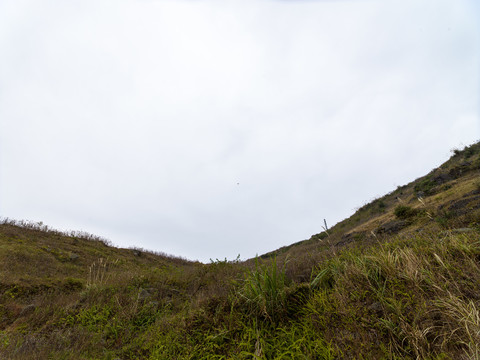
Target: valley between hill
[(399, 279)]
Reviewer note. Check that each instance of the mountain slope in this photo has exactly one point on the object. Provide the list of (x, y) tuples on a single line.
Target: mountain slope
[(397, 280), (446, 198)]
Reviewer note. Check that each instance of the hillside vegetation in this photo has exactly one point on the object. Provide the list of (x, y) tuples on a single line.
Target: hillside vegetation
[(399, 279)]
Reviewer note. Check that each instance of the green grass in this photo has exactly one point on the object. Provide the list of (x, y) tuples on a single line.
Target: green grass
[(409, 295), (264, 289), (406, 298)]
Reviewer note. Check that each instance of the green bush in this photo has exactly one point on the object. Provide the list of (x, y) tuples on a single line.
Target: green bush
[(427, 186), (382, 206), (404, 212)]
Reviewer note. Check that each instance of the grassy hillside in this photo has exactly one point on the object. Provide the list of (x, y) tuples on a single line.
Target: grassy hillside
[(397, 280)]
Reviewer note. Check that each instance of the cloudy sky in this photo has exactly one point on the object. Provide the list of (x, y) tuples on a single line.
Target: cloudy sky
[(213, 128)]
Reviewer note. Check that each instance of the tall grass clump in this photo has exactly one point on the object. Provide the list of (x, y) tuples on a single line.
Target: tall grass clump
[(98, 273), (264, 290), (464, 320), (414, 297)]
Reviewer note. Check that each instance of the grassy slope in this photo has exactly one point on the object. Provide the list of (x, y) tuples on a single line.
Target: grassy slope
[(397, 280)]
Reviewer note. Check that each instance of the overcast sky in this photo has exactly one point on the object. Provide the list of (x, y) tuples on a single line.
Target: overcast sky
[(208, 129)]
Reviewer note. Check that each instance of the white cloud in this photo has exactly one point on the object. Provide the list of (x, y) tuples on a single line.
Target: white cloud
[(136, 120)]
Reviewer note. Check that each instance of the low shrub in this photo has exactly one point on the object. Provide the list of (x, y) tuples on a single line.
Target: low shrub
[(404, 212)]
